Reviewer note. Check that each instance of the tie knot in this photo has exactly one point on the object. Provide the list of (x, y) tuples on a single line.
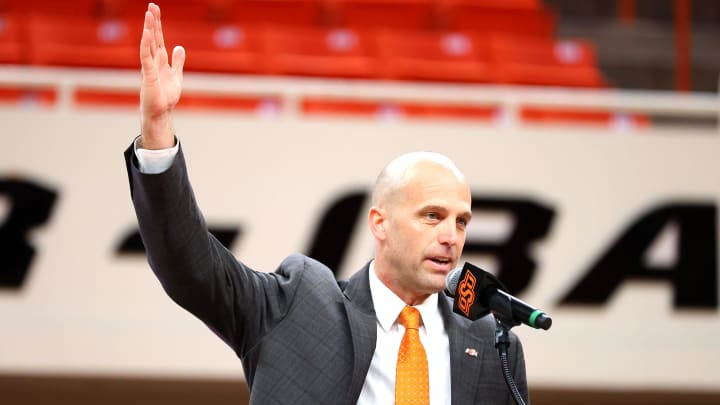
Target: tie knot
[(410, 318)]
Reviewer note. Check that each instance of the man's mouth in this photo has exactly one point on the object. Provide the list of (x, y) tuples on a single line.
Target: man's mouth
[(441, 260)]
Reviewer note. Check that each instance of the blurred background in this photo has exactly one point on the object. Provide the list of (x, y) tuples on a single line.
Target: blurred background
[(588, 130)]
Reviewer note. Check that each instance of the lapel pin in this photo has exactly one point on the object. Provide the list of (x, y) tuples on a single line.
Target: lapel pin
[(471, 352)]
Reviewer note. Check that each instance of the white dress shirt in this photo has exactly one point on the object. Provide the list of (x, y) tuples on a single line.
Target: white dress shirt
[(155, 161), (379, 386)]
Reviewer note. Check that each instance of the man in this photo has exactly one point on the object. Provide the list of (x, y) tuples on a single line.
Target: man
[(304, 338)]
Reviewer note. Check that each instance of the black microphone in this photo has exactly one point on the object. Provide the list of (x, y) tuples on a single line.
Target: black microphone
[(478, 293)]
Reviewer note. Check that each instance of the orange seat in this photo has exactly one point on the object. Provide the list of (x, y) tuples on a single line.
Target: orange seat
[(105, 97), (528, 5), (53, 8), (43, 96), (321, 52), (391, 111), (175, 12), (262, 106), (227, 48), (525, 17), (406, 14), (11, 40), (543, 51), (543, 61), (434, 56), (86, 42), (619, 121), (276, 12), (94, 98)]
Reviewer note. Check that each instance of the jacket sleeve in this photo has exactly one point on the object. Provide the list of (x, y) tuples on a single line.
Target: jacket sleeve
[(237, 303)]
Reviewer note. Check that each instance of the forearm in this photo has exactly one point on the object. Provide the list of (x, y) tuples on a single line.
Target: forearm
[(191, 265)]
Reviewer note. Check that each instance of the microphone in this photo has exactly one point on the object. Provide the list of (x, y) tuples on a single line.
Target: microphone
[(478, 293)]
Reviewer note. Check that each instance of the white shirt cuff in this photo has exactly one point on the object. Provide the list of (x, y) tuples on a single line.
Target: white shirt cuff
[(154, 161)]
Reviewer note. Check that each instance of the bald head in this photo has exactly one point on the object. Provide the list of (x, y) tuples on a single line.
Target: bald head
[(421, 207), (396, 175)]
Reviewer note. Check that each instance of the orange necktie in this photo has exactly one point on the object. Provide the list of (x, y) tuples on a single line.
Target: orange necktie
[(411, 378)]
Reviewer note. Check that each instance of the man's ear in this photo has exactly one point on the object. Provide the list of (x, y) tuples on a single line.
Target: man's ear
[(377, 220)]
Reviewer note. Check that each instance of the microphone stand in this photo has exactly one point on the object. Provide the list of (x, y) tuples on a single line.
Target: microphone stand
[(503, 324)]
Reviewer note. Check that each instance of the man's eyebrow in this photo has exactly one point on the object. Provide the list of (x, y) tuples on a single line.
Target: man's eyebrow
[(433, 207)]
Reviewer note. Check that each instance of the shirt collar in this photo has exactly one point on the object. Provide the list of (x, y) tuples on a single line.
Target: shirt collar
[(392, 305)]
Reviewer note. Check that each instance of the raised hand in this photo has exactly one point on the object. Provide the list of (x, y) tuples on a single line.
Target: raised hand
[(161, 83)]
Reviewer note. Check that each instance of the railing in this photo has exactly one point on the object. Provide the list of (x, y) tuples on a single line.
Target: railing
[(291, 91)]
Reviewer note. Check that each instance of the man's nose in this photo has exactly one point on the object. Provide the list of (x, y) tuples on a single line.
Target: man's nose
[(448, 233)]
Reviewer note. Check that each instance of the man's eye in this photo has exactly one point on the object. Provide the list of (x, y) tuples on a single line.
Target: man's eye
[(431, 215)]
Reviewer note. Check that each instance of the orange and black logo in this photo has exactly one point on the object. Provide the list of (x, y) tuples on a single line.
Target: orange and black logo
[(466, 293)]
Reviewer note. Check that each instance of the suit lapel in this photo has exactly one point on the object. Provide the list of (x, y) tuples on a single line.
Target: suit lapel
[(363, 328), (466, 354)]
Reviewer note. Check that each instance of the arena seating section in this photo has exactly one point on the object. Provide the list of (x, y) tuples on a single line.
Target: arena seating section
[(510, 42)]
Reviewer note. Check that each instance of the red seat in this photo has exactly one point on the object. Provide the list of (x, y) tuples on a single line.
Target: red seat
[(276, 12), (406, 14), (527, 5), (86, 42), (543, 51), (321, 52), (94, 98), (12, 47), (177, 10), (525, 17), (618, 121), (434, 56), (392, 111), (43, 97), (227, 48), (52, 8), (542, 61)]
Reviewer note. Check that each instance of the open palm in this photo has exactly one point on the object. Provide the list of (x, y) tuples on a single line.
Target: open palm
[(161, 82)]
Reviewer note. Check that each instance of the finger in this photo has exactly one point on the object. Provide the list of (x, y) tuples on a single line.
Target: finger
[(178, 60), (155, 10), (147, 42)]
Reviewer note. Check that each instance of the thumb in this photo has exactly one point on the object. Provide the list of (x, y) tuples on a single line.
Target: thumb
[(178, 59)]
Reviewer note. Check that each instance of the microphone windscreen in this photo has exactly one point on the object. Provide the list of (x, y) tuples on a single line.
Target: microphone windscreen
[(452, 280)]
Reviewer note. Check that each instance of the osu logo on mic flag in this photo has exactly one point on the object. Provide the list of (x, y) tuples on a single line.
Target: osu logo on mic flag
[(466, 293)]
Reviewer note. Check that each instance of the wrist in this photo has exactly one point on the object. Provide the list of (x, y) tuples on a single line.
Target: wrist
[(157, 134)]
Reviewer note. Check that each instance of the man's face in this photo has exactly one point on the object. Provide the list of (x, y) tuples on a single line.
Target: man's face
[(425, 229)]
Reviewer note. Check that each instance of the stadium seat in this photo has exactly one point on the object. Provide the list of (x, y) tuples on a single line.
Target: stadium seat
[(321, 52), (405, 14), (390, 111), (545, 61), (94, 98), (289, 12), (11, 40), (86, 42), (42, 97), (526, 5), (618, 121), (177, 10), (51, 8), (523, 17), (276, 12), (229, 48), (434, 56), (545, 51)]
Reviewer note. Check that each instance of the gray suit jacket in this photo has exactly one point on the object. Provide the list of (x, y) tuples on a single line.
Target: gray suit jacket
[(303, 338)]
